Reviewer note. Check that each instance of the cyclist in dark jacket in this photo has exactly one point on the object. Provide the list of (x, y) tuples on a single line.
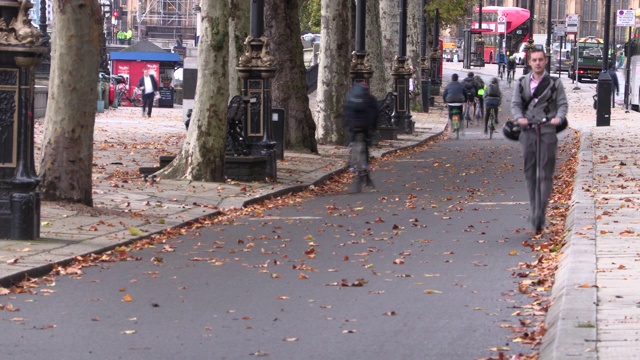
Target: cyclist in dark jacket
[(492, 100), (361, 116), (511, 67), (455, 92), (472, 87)]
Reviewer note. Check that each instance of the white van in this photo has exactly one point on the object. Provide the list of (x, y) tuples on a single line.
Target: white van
[(521, 55)]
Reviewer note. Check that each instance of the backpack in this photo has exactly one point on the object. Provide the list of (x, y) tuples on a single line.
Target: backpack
[(493, 90), (468, 83)]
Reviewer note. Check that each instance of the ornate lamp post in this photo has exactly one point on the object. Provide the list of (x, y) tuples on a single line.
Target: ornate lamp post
[(479, 40), (361, 69), (401, 73), (20, 52), (603, 112), (43, 69), (435, 56), (424, 62), (255, 68)]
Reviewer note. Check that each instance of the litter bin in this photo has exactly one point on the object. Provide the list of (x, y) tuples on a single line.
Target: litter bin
[(277, 126)]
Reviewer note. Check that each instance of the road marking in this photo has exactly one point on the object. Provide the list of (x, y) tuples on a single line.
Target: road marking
[(286, 218), (501, 203)]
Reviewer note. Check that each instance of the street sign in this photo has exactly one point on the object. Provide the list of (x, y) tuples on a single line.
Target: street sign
[(572, 23), (502, 19), (559, 30), (626, 18)]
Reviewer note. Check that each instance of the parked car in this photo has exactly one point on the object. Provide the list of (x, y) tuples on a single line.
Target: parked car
[(561, 57)]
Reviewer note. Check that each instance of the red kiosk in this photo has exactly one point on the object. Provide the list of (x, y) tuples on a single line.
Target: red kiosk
[(129, 63)]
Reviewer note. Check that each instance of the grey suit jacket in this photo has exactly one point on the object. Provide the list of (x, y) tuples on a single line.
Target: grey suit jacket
[(548, 105)]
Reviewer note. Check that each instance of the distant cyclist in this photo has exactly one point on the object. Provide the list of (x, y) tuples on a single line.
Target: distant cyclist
[(471, 86), (481, 88), (511, 67), (360, 113), (455, 94), (492, 100)]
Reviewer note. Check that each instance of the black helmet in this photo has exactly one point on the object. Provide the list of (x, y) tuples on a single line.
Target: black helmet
[(470, 75), (494, 80), (511, 130)]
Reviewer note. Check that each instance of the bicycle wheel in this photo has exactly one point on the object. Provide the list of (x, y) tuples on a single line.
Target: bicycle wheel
[(492, 121), (137, 101), (455, 124), (358, 163)]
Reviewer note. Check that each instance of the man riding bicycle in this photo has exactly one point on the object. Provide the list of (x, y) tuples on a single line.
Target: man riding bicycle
[(472, 87), (511, 67), (454, 95), (492, 101), (361, 115)]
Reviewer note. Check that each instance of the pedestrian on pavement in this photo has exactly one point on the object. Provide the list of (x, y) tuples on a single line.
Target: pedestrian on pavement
[(537, 97), (128, 36), (615, 84), (492, 100), (148, 85), (361, 115)]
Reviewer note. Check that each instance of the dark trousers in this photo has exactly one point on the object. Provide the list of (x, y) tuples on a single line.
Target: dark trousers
[(147, 103), (548, 148)]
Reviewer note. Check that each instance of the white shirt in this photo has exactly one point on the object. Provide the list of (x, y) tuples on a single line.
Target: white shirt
[(148, 86)]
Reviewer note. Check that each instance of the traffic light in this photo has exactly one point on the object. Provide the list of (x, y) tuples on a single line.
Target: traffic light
[(116, 14)]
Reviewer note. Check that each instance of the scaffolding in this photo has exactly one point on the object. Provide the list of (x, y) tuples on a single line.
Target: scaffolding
[(166, 19)]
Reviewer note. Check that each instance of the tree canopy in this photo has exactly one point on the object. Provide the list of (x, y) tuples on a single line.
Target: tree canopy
[(452, 12), (310, 12)]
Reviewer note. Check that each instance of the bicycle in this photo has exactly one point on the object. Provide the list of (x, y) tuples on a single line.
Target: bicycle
[(135, 99), (455, 111), (479, 114), (359, 162), (510, 75), (492, 121), (467, 112)]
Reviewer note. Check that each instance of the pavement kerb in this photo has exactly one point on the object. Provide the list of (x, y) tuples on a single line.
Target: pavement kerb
[(571, 320)]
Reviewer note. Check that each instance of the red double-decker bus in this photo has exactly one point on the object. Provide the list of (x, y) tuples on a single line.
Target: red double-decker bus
[(516, 29)]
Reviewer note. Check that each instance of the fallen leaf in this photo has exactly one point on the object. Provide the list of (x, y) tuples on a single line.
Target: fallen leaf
[(429, 291), (127, 298), (128, 332)]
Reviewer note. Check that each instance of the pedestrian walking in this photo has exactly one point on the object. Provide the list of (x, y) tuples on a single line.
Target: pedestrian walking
[(539, 97), (615, 84), (148, 85), (128, 36)]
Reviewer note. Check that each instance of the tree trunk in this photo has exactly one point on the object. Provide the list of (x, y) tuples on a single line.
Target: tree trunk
[(414, 25), (389, 18), (373, 45), (239, 30), (202, 155), (66, 166), (289, 86), (333, 76)]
